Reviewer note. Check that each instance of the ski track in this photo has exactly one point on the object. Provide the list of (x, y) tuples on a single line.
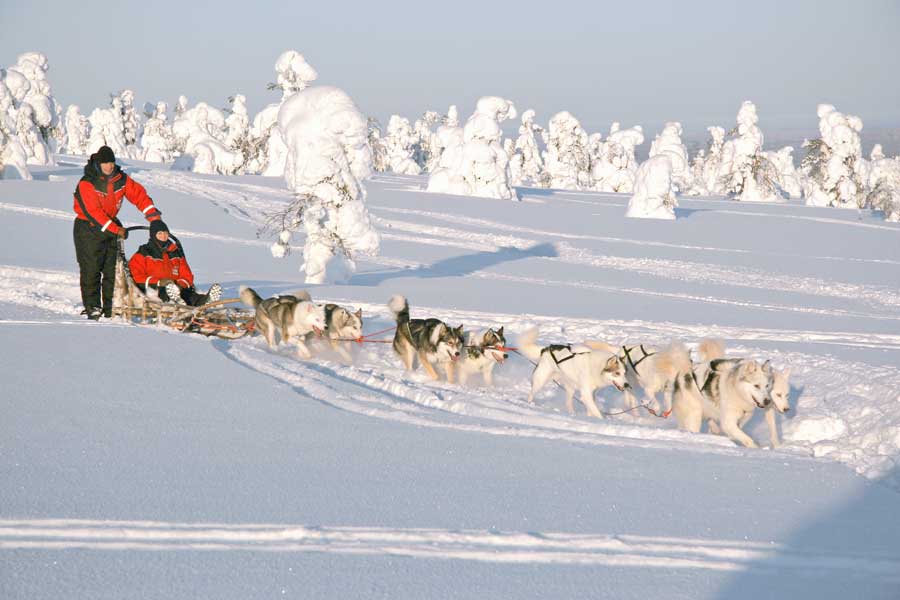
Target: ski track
[(490, 546)]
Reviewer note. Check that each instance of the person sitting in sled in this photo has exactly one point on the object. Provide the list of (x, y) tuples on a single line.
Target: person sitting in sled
[(160, 264)]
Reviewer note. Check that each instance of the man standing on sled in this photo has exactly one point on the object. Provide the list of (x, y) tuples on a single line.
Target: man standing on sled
[(98, 198), (161, 264)]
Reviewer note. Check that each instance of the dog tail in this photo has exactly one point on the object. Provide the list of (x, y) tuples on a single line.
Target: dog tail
[(302, 296), (400, 308), (528, 344), (675, 359), (598, 345), (710, 349), (249, 296)]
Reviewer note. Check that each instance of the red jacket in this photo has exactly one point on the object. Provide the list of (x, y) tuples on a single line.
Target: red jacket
[(98, 198), (152, 263)]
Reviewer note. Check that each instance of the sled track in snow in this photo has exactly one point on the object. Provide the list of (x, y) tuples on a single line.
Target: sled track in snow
[(489, 546)]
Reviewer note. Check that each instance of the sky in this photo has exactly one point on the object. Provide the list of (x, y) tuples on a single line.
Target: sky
[(635, 62)]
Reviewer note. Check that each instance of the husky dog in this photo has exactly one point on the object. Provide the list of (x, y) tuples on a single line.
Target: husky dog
[(484, 350), (576, 368), (779, 394), (291, 316), (651, 370), (341, 327), (724, 391), (701, 397), (432, 340)]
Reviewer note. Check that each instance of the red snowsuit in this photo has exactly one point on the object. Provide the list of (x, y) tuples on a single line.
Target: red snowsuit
[(152, 263)]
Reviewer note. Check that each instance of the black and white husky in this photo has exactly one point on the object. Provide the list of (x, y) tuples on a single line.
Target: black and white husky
[(575, 367), (431, 340), (725, 392), (484, 351), (342, 327), (292, 316)]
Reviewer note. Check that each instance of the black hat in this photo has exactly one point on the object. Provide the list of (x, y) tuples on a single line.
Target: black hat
[(105, 155), (157, 226)]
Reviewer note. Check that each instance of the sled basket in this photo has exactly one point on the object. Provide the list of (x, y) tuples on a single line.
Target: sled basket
[(221, 318)]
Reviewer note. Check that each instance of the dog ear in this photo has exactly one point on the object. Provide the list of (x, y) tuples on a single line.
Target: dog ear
[(436, 334), (309, 307), (500, 332), (786, 372), (359, 314), (612, 363), (767, 367)]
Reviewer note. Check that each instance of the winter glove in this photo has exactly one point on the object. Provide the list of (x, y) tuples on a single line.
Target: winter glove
[(164, 282)]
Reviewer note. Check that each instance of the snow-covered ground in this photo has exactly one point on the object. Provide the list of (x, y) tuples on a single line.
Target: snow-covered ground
[(141, 463)]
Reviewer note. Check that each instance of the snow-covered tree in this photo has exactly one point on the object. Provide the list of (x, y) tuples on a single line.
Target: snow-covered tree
[(181, 105), (834, 169), (32, 110), (706, 169), (131, 122), (202, 131), (669, 142), (106, 129), (884, 184), (380, 159), (532, 165), (567, 159), (654, 190), (616, 167), (13, 160), (76, 132), (745, 171), (237, 123), (446, 177), (158, 142), (451, 119), (328, 159), (424, 144), (399, 143), (516, 162), (789, 179), (293, 74), (481, 168)]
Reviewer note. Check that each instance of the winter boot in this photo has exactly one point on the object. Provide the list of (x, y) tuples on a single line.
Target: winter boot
[(174, 293), (214, 294), (93, 313)]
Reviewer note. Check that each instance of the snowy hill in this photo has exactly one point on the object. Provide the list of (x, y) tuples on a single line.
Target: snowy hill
[(144, 463)]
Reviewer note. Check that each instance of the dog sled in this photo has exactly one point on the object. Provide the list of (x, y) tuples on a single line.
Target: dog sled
[(223, 318)]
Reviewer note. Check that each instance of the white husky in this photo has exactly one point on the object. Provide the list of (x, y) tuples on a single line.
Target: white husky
[(651, 370), (725, 392), (575, 367)]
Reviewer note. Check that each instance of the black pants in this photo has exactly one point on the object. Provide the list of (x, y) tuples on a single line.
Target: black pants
[(96, 253), (189, 295)]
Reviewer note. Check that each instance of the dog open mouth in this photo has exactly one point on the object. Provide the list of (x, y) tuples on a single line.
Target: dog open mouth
[(619, 387), (319, 332)]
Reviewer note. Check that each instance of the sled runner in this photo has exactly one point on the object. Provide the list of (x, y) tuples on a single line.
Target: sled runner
[(219, 318)]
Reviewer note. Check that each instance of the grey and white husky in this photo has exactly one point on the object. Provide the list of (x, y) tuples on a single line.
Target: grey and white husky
[(484, 351), (342, 326), (292, 316), (575, 367), (431, 340), (725, 392)]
